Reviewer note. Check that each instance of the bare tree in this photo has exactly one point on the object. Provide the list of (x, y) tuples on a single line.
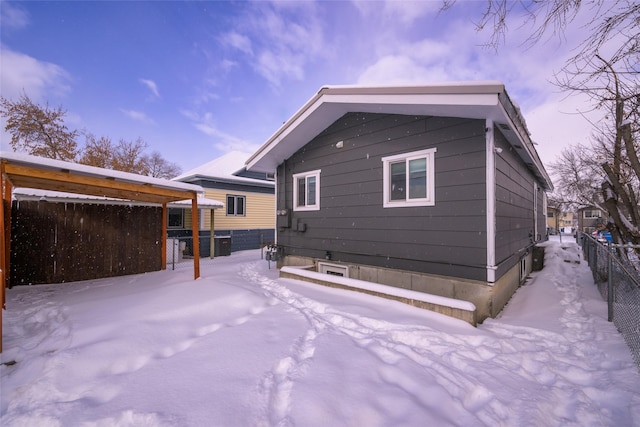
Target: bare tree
[(97, 152), (612, 85), (606, 174), (158, 167), (39, 131), (608, 19), (573, 173), (128, 156)]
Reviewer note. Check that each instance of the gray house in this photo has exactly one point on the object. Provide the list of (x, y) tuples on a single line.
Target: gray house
[(436, 189)]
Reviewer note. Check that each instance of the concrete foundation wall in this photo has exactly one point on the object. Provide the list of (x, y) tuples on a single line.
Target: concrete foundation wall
[(469, 316), (489, 299)]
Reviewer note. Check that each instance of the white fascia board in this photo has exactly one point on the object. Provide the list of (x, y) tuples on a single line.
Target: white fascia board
[(325, 108), (530, 152), (412, 101), (281, 134)]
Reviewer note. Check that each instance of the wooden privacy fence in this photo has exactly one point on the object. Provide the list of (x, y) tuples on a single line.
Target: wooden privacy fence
[(64, 242)]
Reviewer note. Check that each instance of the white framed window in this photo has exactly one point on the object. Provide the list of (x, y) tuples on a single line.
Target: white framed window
[(306, 191), (235, 205), (409, 179)]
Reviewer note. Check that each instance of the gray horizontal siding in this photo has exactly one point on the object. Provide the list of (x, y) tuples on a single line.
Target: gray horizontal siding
[(514, 205), (448, 238)]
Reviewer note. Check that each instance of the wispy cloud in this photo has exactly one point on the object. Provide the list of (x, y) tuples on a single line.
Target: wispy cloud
[(237, 41), (223, 141), (152, 86), (138, 116), (13, 16), (279, 39), (394, 11), (38, 79)]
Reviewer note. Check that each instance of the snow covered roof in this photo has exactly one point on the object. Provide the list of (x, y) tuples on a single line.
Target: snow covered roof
[(21, 194), (29, 171), (476, 100), (224, 168)]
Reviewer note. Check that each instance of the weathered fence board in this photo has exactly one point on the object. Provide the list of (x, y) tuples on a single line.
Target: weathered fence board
[(64, 242)]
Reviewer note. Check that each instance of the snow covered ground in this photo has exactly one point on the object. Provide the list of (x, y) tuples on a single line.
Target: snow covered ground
[(240, 347)]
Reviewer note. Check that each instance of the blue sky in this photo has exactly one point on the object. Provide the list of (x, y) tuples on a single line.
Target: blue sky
[(197, 79)]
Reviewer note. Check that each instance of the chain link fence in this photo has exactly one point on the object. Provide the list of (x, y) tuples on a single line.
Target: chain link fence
[(615, 272), (180, 252)]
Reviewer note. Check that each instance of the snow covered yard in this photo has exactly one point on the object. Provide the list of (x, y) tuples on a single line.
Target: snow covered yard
[(240, 347)]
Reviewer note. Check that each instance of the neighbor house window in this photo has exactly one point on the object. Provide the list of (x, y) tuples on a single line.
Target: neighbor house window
[(409, 179), (175, 218), (235, 205), (306, 191), (593, 214)]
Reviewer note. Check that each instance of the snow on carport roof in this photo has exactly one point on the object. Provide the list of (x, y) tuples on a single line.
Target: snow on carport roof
[(28, 171), (57, 196)]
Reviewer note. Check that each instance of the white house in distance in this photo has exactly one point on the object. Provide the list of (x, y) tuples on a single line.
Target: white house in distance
[(436, 189)]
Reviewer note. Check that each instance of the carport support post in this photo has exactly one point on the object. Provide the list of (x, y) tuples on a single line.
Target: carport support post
[(6, 241), (212, 244), (195, 226), (3, 266), (163, 237)]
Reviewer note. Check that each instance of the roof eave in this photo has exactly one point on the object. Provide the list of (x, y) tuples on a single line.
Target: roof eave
[(480, 100)]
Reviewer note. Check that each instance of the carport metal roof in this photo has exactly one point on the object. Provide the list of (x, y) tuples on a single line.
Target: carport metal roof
[(21, 170)]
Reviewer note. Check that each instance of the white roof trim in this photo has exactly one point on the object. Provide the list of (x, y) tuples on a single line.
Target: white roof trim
[(476, 100)]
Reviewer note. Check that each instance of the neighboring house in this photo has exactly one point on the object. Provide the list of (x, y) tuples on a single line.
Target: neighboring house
[(591, 218), (249, 214), (436, 189), (553, 220), (566, 222)]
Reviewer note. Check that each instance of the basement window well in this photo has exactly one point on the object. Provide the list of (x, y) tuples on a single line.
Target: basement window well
[(333, 269)]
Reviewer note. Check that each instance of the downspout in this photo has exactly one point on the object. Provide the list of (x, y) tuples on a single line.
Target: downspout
[(491, 200)]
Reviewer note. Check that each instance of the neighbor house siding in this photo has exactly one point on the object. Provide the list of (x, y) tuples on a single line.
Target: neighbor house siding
[(352, 225), (259, 212), (514, 206)]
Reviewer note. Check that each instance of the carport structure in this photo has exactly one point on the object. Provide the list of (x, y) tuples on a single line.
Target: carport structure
[(20, 170)]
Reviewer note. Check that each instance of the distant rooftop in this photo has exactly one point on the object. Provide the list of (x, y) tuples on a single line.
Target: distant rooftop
[(227, 167)]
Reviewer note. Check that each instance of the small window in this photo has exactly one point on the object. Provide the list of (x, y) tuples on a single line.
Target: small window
[(235, 205), (306, 191), (523, 270), (409, 179), (593, 214), (175, 218)]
